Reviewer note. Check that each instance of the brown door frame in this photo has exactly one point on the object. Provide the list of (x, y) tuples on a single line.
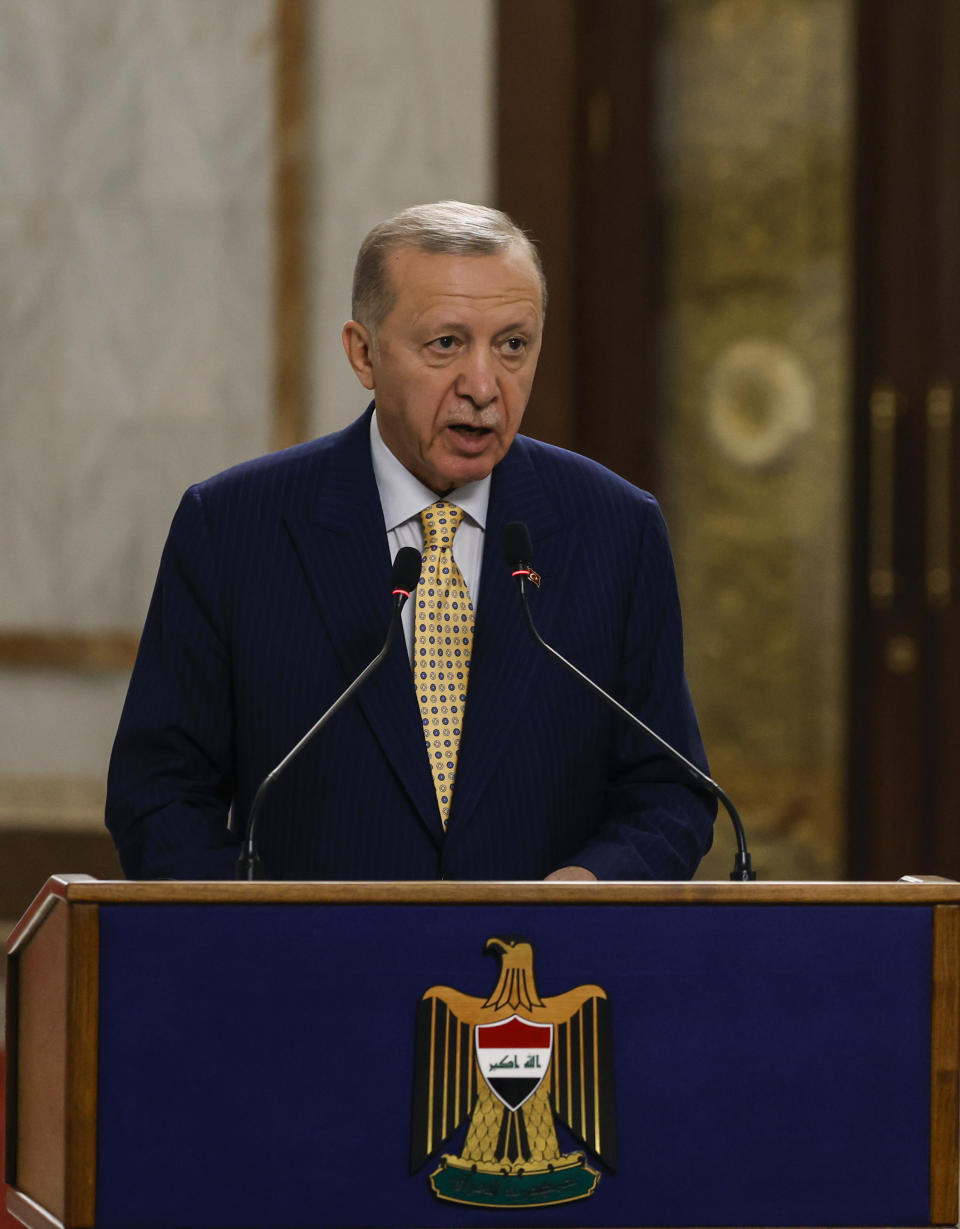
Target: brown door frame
[(575, 168)]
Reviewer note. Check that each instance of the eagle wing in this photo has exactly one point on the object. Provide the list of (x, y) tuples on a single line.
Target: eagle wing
[(445, 1070), (582, 1084)]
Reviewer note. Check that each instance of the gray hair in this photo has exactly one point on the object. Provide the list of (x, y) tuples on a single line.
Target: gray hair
[(445, 228)]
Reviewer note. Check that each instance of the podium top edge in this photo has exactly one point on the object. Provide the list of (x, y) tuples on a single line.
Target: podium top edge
[(83, 889), (910, 890)]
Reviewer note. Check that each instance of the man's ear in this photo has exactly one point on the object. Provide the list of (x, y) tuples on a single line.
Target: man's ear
[(358, 345)]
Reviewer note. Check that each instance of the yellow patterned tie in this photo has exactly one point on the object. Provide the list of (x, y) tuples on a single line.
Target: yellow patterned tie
[(443, 642)]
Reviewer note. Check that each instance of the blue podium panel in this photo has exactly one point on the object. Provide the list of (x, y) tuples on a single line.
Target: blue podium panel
[(772, 1063)]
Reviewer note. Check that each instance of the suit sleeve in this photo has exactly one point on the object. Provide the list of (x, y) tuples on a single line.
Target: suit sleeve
[(170, 782), (653, 827)]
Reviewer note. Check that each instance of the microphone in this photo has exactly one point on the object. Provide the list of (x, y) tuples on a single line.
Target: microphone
[(403, 580), (518, 551)]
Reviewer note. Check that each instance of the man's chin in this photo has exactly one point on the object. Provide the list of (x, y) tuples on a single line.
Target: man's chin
[(460, 475), (458, 471)]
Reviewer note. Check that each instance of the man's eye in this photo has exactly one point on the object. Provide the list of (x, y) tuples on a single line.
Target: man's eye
[(447, 342), (516, 345)]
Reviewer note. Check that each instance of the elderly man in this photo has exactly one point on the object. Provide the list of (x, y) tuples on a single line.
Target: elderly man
[(470, 754)]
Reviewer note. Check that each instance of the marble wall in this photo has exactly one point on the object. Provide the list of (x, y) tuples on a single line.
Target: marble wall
[(135, 291), (134, 282)]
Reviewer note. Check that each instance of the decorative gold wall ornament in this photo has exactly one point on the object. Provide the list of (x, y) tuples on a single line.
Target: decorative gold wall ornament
[(759, 402), (756, 105), (510, 1064)]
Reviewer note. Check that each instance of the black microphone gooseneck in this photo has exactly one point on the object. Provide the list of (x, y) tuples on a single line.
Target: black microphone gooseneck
[(406, 574), (518, 551)]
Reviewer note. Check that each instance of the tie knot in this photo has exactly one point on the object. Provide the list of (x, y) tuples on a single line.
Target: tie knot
[(440, 522)]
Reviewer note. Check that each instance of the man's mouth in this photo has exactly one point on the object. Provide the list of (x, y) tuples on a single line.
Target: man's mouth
[(463, 428)]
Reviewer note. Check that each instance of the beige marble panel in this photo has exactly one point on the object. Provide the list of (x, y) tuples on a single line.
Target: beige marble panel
[(76, 717), (33, 244), (98, 104), (37, 41), (135, 317), (134, 286), (207, 101), (402, 113)]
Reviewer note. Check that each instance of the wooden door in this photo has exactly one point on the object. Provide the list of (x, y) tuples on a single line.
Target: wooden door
[(904, 727)]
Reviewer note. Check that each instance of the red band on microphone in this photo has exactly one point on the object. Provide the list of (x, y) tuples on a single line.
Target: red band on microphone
[(405, 592)]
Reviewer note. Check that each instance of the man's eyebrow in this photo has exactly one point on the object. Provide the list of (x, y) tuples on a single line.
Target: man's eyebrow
[(528, 325), (431, 332), (440, 328)]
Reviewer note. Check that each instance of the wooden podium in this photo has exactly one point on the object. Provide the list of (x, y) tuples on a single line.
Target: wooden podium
[(224, 1056)]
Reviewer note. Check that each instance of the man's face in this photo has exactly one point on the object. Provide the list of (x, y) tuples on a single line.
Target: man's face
[(452, 364)]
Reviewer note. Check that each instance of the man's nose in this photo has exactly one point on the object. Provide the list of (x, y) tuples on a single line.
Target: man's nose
[(477, 380)]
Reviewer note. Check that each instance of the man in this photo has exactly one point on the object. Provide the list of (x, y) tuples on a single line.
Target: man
[(486, 761)]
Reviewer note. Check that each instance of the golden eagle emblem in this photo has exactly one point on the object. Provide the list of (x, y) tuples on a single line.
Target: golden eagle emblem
[(512, 1063)]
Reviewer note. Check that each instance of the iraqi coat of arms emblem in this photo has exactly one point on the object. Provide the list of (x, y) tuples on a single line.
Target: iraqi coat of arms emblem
[(513, 1064)]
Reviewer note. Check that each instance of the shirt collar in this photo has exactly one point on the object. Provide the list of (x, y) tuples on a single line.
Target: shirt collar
[(403, 497)]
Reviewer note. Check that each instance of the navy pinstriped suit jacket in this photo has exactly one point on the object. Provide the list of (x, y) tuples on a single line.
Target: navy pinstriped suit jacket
[(272, 595)]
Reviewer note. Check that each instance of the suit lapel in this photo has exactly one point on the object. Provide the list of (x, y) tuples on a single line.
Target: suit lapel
[(504, 654), (342, 546), (341, 542)]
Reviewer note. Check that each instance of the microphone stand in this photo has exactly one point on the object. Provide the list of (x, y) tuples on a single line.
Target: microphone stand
[(247, 862), (742, 867)]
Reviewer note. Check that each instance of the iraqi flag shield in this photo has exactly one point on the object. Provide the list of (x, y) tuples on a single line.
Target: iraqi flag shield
[(513, 1056)]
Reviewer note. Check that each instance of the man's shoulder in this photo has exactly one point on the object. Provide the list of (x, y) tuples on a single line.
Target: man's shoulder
[(574, 476), (284, 466), (287, 471)]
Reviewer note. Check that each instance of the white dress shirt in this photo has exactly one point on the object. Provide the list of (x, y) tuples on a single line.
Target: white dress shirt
[(403, 497)]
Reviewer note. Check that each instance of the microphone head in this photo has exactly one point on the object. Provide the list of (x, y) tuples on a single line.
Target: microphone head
[(406, 568), (517, 547)]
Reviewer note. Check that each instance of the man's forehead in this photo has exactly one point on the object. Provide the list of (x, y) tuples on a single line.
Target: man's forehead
[(507, 276)]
